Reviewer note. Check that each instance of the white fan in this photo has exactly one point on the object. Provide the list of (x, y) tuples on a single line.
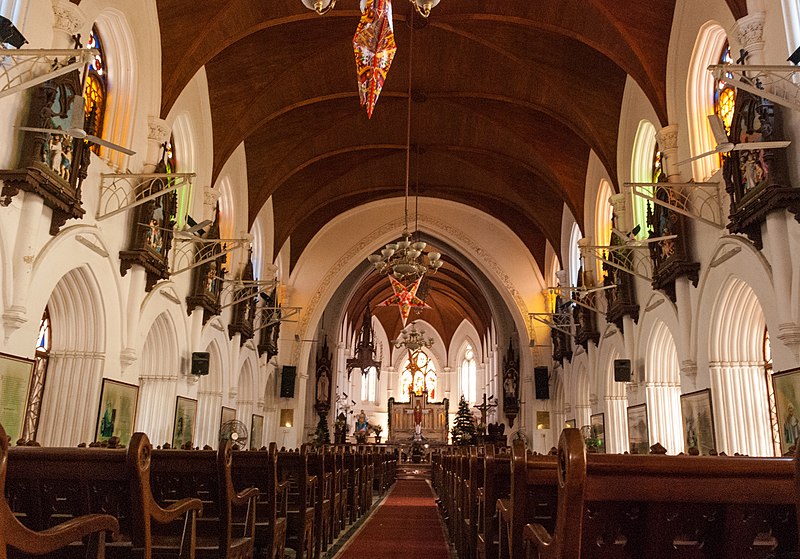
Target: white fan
[(631, 240), (76, 129), (724, 145)]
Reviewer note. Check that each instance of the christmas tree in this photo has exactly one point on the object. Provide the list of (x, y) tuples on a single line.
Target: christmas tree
[(463, 431), (322, 436)]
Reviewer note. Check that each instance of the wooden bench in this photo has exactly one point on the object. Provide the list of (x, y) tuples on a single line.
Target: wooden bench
[(668, 506), (474, 484), (333, 468), (353, 501), (496, 486), (21, 539), (206, 475), (293, 467), (323, 507), (532, 499), (260, 469)]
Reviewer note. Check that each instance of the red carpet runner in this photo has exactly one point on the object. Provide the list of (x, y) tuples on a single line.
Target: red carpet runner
[(405, 526)]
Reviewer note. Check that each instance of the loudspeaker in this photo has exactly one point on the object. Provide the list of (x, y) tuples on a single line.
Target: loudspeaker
[(288, 374), (622, 370), (200, 362), (541, 383)]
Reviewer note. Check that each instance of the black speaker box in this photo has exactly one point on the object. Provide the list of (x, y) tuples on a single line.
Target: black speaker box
[(200, 362), (288, 375), (622, 370), (541, 383)]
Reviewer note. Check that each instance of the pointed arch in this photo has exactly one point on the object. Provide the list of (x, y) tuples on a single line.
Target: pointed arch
[(158, 374), (663, 388)]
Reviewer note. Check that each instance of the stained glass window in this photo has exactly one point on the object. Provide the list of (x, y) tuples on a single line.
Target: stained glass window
[(469, 375), (773, 409), (369, 386), (724, 94), (419, 374), (95, 92), (34, 406)]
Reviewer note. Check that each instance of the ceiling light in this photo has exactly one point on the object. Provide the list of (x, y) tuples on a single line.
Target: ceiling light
[(412, 339), (322, 7), (424, 7)]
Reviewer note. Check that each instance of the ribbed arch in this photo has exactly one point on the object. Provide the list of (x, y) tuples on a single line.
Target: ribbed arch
[(209, 399), (663, 389), (159, 366), (736, 365)]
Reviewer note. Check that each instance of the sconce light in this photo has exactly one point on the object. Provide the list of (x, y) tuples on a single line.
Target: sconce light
[(322, 7)]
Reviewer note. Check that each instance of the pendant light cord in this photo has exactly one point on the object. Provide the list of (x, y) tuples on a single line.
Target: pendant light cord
[(408, 123)]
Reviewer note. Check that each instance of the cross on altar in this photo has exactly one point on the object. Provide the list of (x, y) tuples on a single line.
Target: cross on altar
[(418, 411)]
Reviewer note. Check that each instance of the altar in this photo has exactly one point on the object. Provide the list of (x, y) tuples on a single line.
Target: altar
[(418, 420)]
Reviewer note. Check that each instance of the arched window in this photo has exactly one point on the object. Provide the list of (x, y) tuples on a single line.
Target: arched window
[(369, 386), (574, 254), (603, 216), (469, 375), (645, 168), (419, 374), (96, 90), (724, 94), (34, 405), (226, 211)]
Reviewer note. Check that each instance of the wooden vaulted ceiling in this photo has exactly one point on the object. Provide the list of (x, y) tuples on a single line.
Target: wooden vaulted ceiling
[(510, 97)]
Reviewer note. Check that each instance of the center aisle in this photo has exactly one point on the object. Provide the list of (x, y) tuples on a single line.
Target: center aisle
[(405, 525)]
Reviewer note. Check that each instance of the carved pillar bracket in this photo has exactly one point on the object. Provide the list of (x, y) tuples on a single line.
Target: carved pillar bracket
[(749, 32), (68, 20), (158, 133), (689, 370), (667, 139)]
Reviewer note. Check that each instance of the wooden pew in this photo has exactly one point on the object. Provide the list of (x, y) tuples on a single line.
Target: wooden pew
[(15, 535), (668, 506), (48, 485), (344, 484), (496, 486), (353, 501), (474, 484), (323, 511), (206, 475), (293, 467), (260, 469), (333, 468), (533, 498)]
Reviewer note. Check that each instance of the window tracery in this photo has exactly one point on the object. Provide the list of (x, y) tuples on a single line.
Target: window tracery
[(36, 391), (419, 374), (95, 91), (469, 375)]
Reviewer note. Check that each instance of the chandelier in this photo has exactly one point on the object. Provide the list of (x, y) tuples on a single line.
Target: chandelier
[(412, 339), (322, 7)]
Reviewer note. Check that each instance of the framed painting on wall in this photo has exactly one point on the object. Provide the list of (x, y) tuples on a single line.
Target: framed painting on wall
[(638, 432), (227, 414), (257, 432), (698, 421), (787, 402), (598, 432), (183, 429), (571, 424), (117, 412), (15, 381)]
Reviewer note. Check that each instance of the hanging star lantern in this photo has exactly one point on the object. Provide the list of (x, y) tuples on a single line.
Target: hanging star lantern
[(374, 48), (405, 298)]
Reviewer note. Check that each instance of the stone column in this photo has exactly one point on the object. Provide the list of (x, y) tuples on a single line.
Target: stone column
[(616, 424), (749, 32), (68, 21), (156, 407)]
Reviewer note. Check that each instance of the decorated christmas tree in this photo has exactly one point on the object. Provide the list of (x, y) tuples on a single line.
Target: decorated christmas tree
[(322, 436), (463, 431)]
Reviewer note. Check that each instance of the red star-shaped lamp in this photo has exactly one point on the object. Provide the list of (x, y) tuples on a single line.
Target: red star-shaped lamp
[(405, 298), (374, 47)]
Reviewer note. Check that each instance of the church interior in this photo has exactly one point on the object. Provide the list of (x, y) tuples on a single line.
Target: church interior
[(442, 239)]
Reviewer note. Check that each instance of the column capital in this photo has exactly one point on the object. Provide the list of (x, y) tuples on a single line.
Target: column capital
[(749, 31), (667, 137), (158, 129), (68, 17)]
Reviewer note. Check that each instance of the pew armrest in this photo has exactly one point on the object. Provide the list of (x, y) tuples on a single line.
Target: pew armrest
[(175, 510), (536, 537), (282, 491), (47, 541), (244, 496)]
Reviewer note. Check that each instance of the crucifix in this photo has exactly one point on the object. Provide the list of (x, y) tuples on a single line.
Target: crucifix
[(484, 409), (418, 411)]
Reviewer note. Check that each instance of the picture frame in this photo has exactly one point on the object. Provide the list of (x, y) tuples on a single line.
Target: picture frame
[(256, 432), (15, 382), (697, 416), (225, 415), (571, 423), (542, 420), (116, 416), (638, 430), (183, 427), (598, 430), (786, 385)]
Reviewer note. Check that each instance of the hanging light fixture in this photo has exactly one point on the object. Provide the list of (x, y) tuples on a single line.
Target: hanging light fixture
[(322, 7), (406, 259), (412, 339)]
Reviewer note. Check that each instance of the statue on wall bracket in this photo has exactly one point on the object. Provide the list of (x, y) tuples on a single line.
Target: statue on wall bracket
[(152, 230), (268, 341), (52, 166), (207, 278), (244, 312), (511, 383), (757, 181)]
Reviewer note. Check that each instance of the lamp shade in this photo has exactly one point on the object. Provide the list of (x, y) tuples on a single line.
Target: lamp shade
[(320, 6)]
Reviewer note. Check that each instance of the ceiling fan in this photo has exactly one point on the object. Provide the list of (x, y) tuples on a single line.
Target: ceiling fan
[(193, 228), (76, 129), (629, 239), (724, 145)]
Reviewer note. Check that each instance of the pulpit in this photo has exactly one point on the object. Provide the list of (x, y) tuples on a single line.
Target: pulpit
[(418, 419)]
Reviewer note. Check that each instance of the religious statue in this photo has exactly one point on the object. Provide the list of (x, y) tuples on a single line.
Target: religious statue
[(322, 387), (417, 422), (362, 427)]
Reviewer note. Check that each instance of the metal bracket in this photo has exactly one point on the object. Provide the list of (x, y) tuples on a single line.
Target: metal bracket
[(566, 297), (253, 287), (268, 314), (26, 68), (184, 251), (546, 319), (626, 261), (120, 192), (696, 200), (779, 84)]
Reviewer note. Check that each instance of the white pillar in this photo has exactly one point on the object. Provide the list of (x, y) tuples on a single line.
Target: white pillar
[(616, 424)]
